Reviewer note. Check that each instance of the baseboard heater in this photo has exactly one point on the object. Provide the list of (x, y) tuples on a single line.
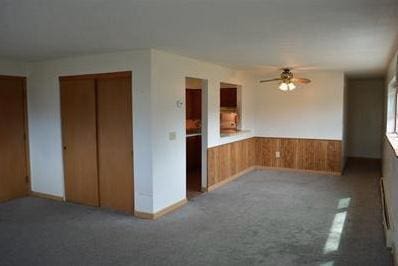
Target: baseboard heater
[(386, 215)]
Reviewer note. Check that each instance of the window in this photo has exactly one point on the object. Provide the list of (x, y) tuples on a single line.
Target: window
[(230, 109), (392, 116), (392, 108), (396, 111)]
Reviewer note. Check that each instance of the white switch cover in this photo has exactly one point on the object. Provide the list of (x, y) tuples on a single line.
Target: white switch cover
[(277, 154), (172, 136)]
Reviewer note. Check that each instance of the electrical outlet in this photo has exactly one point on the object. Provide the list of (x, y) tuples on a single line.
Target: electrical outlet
[(172, 136), (277, 154)]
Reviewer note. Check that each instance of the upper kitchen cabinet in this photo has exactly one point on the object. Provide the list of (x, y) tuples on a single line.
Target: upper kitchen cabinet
[(229, 97), (193, 104)]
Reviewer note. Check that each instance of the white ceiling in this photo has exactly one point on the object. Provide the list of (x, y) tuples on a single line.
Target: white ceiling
[(356, 36)]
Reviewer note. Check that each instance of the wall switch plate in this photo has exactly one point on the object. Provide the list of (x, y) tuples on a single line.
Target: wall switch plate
[(172, 135), (277, 154)]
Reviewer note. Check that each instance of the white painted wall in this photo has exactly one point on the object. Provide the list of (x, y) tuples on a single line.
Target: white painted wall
[(9, 68), (390, 175), (168, 86), (158, 82), (365, 117), (45, 123), (313, 111), (390, 165)]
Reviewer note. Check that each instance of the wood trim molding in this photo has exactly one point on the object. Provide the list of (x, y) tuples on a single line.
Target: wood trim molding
[(12, 77), (46, 196), (295, 138), (259, 167), (144, 215), (122, 74), (26, 136), (158, 214), (232, 178), (204, 189)]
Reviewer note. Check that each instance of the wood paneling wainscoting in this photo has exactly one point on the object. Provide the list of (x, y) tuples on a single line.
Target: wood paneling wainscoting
[(305, 154), (229, 161)]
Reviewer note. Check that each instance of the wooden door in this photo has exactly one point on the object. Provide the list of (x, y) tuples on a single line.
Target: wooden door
[(13, 149), (79, 134), (115, 142)]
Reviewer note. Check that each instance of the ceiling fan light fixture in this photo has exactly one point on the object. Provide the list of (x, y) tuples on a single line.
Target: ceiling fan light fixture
[(291, 86), (287, 80), (283, 86)]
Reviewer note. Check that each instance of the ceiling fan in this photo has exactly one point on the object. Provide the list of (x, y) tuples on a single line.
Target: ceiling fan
[(287, 80)]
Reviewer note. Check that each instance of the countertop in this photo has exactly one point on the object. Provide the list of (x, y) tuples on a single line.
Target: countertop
[(229, 133), (193, 133)]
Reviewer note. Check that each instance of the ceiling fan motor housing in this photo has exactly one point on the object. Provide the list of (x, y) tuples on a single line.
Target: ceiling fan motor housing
[(286, 75)]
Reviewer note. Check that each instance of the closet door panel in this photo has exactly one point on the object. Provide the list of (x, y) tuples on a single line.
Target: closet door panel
[(13, 165), (115, 143), (78, 107)]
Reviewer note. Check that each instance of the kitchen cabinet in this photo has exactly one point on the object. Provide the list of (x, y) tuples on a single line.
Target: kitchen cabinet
[(193, 100), (229, 97), (194, 154)]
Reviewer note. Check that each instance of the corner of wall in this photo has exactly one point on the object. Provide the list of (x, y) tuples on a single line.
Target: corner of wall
[(345, 121), (13, 68)]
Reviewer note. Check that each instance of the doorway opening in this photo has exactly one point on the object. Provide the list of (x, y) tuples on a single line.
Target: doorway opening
[(195, 140)]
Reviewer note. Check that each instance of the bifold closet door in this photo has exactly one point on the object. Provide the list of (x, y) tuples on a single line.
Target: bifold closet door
[(13, 163), (79, 134), (114, 125)]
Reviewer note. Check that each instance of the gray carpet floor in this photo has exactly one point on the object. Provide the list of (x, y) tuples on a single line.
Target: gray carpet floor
[(262, 218)]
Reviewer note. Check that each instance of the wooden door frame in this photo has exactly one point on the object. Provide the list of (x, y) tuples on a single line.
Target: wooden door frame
[(26, 130), (120, 74)]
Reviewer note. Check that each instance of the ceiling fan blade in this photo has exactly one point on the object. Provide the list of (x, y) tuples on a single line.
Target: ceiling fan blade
[(269, 80), (303, 68), (301, 80)]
